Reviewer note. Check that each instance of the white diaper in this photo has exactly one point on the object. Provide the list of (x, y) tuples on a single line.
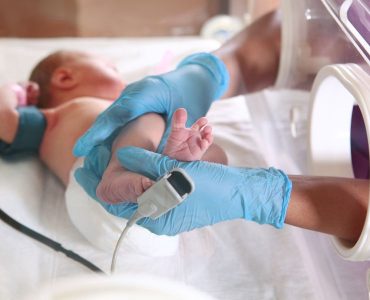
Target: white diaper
[(102, 229)]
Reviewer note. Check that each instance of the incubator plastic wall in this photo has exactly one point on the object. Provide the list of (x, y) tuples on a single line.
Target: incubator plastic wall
[(340, 147), (339, 126), (312, 39)]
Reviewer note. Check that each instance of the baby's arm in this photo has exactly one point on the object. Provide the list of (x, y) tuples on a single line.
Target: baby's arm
[(11, 96), (9, 116)]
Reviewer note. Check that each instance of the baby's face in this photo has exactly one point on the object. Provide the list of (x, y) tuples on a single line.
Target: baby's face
[(97, 76)]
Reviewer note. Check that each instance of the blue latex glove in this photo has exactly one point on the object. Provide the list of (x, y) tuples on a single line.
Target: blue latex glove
[(221, 193), (197, 81)]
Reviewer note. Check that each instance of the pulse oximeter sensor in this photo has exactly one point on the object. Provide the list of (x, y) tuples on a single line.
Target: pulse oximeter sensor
[(168, 192)]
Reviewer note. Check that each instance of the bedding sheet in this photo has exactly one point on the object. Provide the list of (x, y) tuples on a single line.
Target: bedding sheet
[(231, 260)]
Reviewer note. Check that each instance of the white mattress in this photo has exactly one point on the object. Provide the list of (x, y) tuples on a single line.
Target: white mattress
[(231, 260)]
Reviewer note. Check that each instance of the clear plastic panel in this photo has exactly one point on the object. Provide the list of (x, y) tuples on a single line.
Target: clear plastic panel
[(353, 17), (312, 39), (335, 33)]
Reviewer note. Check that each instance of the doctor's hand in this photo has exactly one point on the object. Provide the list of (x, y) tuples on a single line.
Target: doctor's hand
[(221, 193), (194, 85), (197, 81)]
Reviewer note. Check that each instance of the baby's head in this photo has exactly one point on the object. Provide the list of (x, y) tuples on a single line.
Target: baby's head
[(65, 75)]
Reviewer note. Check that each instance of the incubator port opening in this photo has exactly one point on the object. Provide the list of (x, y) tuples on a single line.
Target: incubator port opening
[(338, 141), (338, 138), (359, 145), (330, 140)]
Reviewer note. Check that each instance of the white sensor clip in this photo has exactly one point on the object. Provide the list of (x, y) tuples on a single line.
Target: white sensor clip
[(165, 194), (162, 196)]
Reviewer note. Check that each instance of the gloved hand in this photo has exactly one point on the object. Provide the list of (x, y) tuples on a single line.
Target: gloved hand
[(195, 84), (221, 193), (197, 81)]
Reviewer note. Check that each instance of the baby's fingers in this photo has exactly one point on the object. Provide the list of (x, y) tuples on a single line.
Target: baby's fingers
[(207, 137), (179, 119), (199, 124)]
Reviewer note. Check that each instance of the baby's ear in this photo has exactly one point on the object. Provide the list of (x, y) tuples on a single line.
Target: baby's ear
[(64, 78)]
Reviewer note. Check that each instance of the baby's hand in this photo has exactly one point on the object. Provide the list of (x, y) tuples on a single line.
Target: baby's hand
[(23, 93), (188, 144)]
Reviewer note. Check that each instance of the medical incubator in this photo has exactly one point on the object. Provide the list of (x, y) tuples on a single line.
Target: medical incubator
[(325, 50), (326, 54)]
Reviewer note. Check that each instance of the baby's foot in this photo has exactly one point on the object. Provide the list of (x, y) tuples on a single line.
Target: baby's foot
[(119, 185), (188, 144)]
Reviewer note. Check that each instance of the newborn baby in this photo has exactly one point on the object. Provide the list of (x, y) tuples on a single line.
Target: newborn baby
[(75, 87)]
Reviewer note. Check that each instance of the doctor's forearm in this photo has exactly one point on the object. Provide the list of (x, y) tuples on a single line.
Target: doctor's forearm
[(336, 206), (252, 56)]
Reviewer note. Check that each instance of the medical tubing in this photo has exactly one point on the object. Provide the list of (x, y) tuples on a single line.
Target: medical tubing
[(136, 217), (47, 241)]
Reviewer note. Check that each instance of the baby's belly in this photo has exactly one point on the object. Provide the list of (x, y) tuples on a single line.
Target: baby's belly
[(65, 125)]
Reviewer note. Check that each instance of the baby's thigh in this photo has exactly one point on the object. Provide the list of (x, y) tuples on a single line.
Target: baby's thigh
[(215, 154)]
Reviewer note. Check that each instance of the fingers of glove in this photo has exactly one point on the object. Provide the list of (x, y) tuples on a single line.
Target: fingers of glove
[(97, 160), (87, 180), (149, 164), (171, 223), (94, 166), (157, 226), (179, 219), (122, 210)]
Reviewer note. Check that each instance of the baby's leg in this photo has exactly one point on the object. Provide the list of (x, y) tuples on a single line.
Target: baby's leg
[(186, 144), (118, 184), (215, 154)]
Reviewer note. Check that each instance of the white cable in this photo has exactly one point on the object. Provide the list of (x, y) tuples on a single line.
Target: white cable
[(161, 197), (142, 211), (133, 220)]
